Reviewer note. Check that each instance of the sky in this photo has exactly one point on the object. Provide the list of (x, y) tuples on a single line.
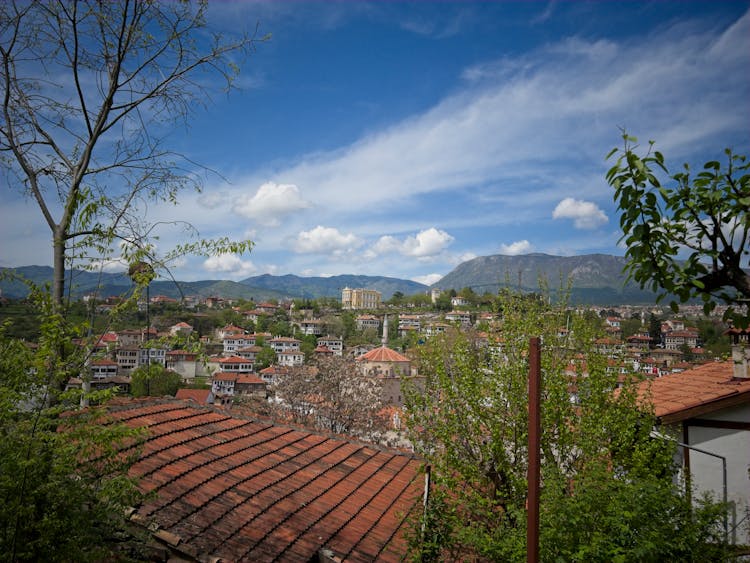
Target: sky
[(401, 138)]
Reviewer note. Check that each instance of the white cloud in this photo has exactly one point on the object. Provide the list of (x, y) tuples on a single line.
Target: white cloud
[(271, 203), (111, 266), (385, 245), (585, 214), (230, 264), (428, 279), (322, 240), (516, 248), (425, 244)]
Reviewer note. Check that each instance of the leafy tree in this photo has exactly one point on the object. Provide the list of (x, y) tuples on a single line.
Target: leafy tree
[(705, 218), (687, 352), (63, 479), (280, 327), (90, 91), (654, 328), (630, 327), (265, 358), (443, 302), (308, 345), (154, 381), (608, 491), (396, 299), (712, 334)]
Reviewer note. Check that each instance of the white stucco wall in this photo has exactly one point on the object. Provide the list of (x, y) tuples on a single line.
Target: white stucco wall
[(706, 471)]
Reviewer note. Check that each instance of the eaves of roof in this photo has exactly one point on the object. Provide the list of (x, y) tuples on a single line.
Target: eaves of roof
[(239, 489), (695, 392)]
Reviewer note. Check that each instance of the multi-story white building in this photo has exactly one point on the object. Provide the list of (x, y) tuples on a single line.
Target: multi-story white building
[(311, 326), (290, 358), (148, 356), (334, 344), (127, 358), (360, 298), (234, 342), (284, 344), (462, 317), (235, 364), (103, 368), (368, 321)]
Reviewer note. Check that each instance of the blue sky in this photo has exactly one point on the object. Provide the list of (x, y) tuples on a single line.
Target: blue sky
[(400, 139)]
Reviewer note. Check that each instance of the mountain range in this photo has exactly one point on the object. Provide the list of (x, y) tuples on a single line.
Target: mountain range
[(595, 278), (258, 288)]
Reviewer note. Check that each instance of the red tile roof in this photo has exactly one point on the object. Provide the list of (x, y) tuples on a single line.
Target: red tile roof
[(200, 396), (695, 392), (250, 380), (103, 362), (245, 490), (383, 354), (233, 360)]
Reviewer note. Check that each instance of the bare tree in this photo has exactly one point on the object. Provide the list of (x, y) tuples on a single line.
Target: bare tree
[(90, 91), (332, 394)]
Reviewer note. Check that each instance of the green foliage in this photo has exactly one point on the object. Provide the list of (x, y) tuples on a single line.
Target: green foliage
[(154, 381), (308, 345), (265, 358), (63, 479), (712, 335), (443, 302), (608, 491), (687, 237)]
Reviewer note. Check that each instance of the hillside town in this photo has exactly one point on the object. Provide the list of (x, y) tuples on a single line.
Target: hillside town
[(232, 361), (355, 282)]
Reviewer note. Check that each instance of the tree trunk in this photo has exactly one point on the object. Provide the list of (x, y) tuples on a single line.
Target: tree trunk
[(58, 263)]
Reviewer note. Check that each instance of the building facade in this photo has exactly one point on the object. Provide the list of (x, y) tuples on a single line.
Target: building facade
[(360, 298)]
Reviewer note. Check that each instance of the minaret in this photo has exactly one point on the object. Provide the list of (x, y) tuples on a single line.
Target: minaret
[(385, 331)]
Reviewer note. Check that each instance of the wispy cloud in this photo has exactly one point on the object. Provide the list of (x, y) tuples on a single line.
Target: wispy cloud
[(518, 133)]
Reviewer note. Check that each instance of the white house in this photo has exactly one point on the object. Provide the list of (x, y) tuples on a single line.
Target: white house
[(290, 358), (284, 344), (334, 344), (707, 409), (311, 326), (103, 368)]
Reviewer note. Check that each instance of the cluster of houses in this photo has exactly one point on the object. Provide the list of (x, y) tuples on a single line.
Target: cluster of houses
[(652, 355), (703, 407)]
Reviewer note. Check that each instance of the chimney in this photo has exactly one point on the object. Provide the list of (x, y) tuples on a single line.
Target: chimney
[(740, 352)]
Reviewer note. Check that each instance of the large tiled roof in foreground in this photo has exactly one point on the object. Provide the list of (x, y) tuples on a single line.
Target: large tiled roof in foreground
[(695, 392), (246, 490)]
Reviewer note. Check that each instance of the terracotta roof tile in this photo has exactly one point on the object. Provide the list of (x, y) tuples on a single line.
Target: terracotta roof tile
[(382, 354), (708, 387), (245, 490)]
